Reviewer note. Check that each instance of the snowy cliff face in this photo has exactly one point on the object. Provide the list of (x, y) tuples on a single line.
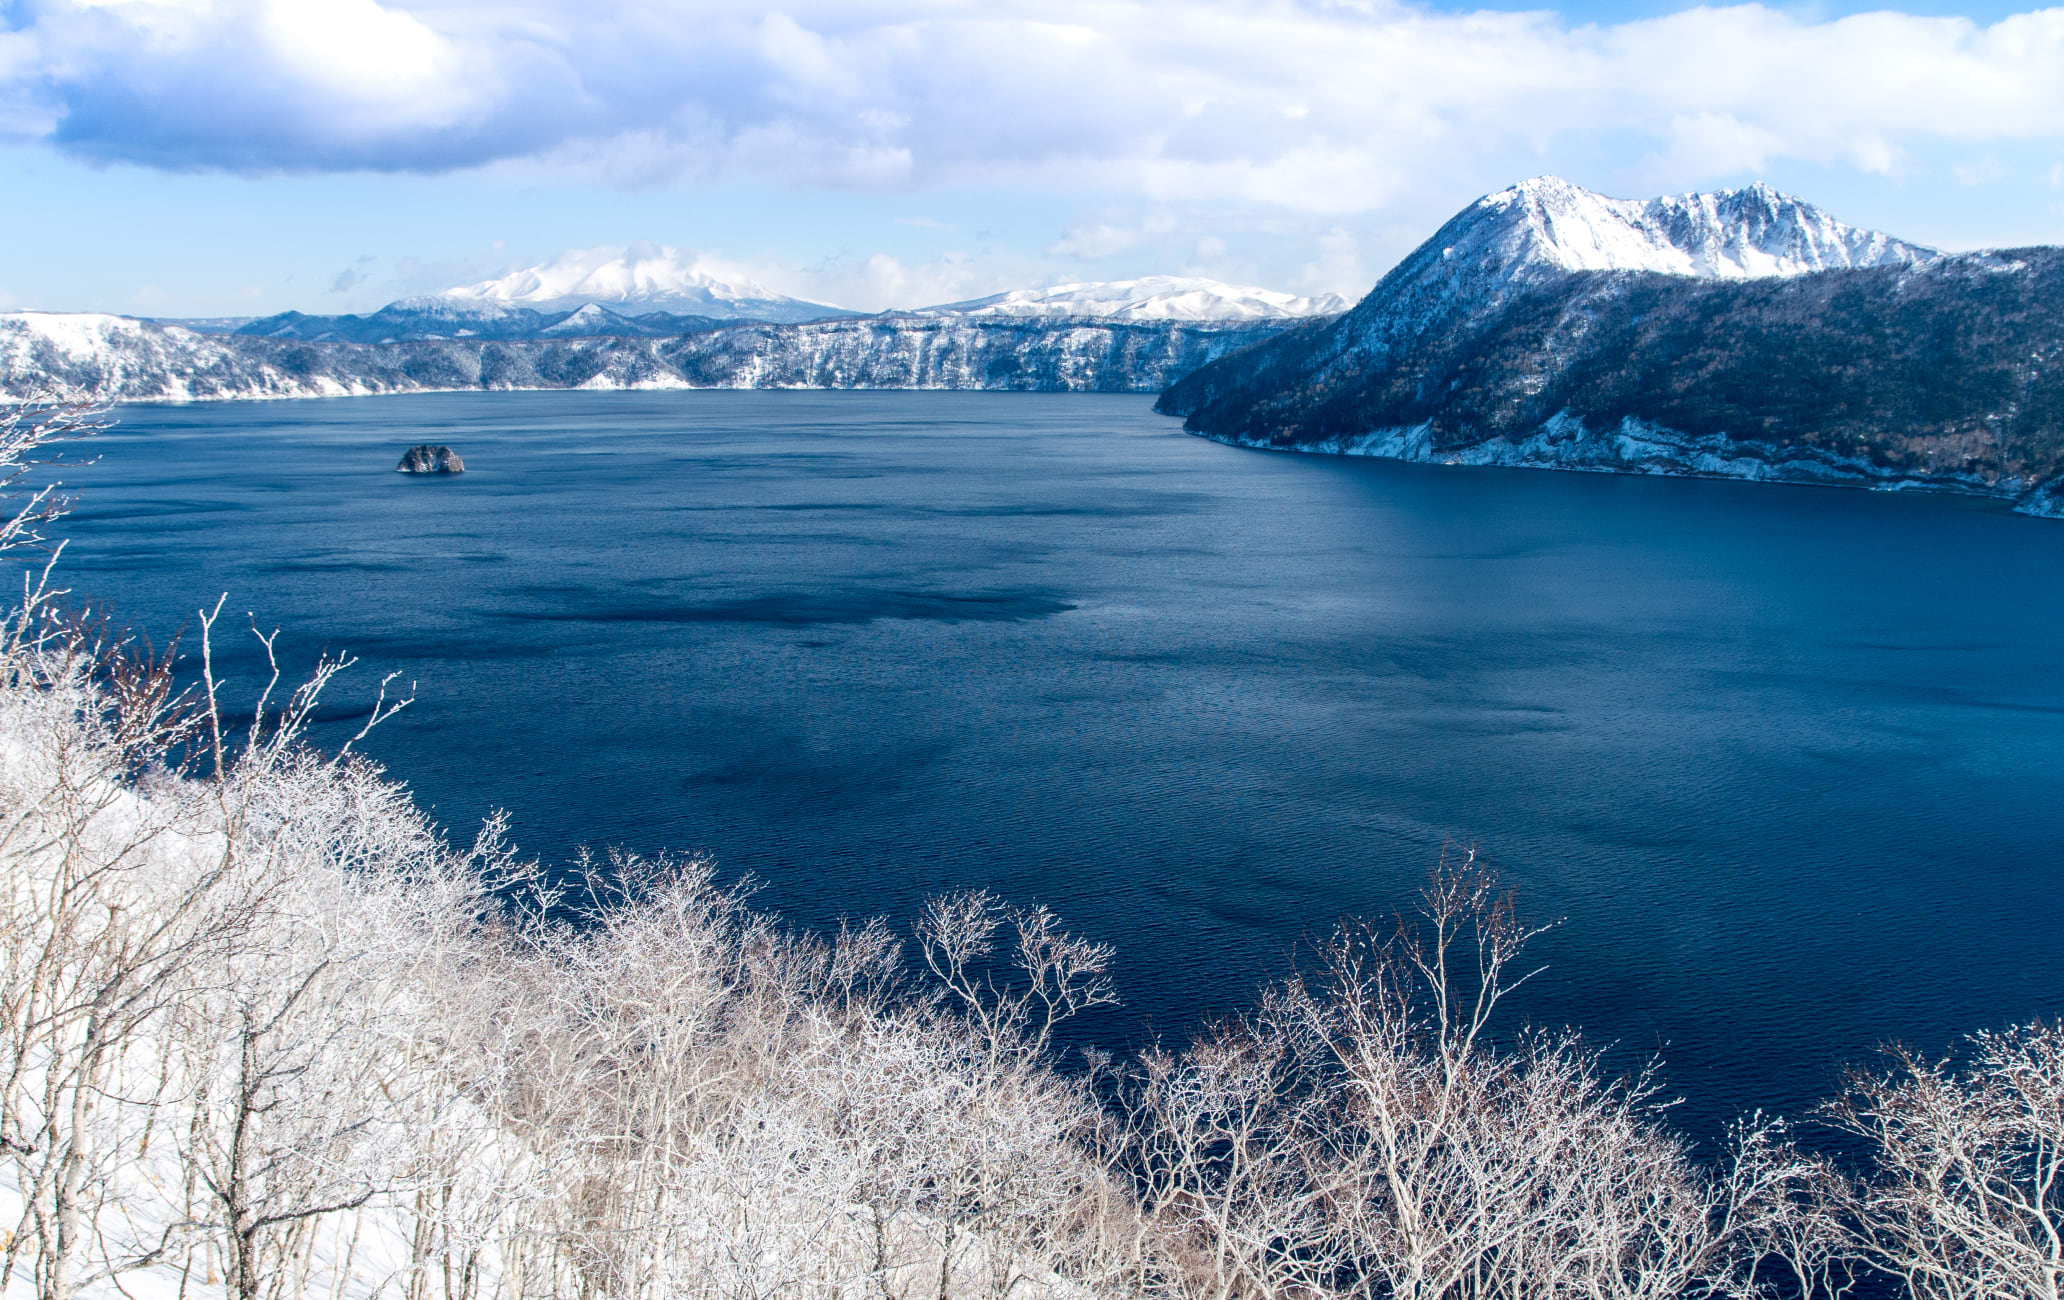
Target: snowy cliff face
[(131, 360), (1149, 298), (1008, 354), (1743, 333)]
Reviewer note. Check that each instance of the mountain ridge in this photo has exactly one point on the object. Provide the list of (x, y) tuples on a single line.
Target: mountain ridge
[(124, 359), (1150, 297)]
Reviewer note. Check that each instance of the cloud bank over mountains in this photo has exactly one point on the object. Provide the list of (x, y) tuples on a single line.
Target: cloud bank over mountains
[(1322, 108)]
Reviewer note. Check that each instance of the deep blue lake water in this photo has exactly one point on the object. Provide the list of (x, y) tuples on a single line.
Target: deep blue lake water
[(1788, 761)]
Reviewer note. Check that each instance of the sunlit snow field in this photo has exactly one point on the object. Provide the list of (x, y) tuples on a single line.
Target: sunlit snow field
[(1789, 761)]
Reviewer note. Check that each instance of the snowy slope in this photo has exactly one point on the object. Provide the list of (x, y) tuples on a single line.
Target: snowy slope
[(634, 279), (1149, 298), (79, 354)]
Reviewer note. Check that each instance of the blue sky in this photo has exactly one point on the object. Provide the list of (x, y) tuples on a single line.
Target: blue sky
[(235, 157)]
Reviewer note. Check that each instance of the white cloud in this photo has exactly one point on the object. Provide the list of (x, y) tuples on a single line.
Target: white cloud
[(1097, 241), (1336, 266), (354, 275), (1103, 239), (882, 282), (1713, 144), (1983, 171), (1322, 108)]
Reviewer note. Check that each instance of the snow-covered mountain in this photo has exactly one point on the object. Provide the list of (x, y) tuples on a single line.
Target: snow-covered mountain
[(1153, 297), (632, 280), (1545, 230), (1744, 333), (1549, 224)]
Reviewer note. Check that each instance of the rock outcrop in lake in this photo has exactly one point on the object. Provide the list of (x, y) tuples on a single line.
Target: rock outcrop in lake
[(431, 458), (1744, 334)]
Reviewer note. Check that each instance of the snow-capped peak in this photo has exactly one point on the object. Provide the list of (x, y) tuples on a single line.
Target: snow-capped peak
[(634, 279), (1153, 297), (1539, 233), (592, 317), (1748, 233)]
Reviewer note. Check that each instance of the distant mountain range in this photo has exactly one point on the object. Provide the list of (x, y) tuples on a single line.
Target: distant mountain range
[(1152, 298), (547, 328), (631, 299), (1743, 334), (415, 319), (632, 281)]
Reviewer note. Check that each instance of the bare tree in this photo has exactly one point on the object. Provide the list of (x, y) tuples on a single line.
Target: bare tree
[(106, 901), (1966, 1197), (1015, 1000), (1369, 1132), (1785, 1209), (27, 430)]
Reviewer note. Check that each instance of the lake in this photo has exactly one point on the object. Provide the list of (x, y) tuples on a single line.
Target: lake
[(1787, 761)]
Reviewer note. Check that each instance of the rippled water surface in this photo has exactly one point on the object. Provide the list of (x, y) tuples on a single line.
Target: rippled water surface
[(1788, 761)]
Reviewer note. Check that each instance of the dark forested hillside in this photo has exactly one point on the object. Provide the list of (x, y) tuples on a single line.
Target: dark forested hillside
[(1942, 372)]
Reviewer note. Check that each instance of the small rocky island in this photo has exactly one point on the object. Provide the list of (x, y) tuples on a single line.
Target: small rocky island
[(431, 458)]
